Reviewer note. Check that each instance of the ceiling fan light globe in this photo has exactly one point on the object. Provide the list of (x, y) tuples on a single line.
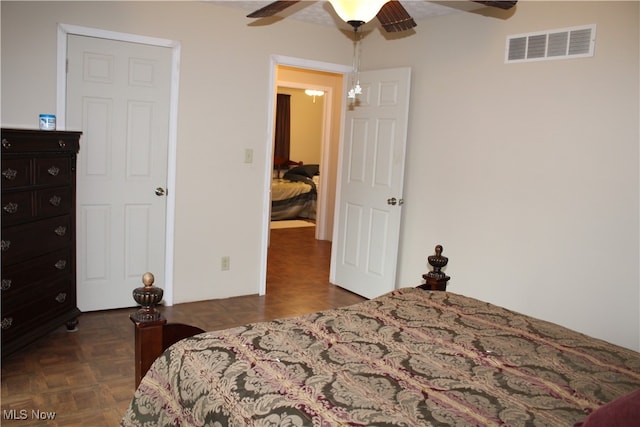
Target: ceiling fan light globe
[(357, 10)]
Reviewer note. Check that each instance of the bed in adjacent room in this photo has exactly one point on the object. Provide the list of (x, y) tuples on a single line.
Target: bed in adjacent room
[(295, 194), (409, 357)]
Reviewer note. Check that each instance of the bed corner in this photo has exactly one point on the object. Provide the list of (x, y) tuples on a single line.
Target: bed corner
[(152, 333)]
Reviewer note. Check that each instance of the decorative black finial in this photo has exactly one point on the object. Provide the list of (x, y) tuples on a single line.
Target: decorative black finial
[(148, 297), (437, 261), (436, 279)]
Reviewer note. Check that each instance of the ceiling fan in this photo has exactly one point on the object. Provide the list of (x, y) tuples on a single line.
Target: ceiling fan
[(392, 15)]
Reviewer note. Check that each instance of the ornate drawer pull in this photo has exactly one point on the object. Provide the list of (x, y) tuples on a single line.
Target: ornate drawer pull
[(55, 201), (4, 245), (60, 230), (6, 322), (61, 264), (61, 143), (61, 297), (10, 207), (53, 170), (6, 284), (10, 174), (5, 143)]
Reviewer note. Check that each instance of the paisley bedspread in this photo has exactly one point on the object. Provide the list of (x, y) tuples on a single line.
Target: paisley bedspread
[(411, 357)]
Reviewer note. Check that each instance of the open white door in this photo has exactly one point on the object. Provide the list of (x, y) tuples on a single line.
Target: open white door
[(370, 183)]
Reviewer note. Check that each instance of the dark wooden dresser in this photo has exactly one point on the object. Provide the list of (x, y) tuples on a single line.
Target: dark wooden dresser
[(38, 247)]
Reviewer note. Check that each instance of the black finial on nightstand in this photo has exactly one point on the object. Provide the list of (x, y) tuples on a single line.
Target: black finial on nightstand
[(148, 297), (436, 280)]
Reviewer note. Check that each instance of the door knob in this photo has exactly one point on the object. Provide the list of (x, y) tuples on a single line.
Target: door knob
[(160, 191), (392, 201)]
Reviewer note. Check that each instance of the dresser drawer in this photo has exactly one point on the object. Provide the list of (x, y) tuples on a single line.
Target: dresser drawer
[(21, 279), (52, 300), (42, 169), (54, 201), (17, 206), (20, 206), (52, 171), (18, 141), (16, 172), (36, 238)]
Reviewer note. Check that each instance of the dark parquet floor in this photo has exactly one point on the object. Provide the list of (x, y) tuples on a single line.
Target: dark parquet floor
[(87, 377)]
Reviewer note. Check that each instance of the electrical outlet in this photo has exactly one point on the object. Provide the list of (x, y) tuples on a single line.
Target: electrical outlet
[(225, 263), (248, 155)]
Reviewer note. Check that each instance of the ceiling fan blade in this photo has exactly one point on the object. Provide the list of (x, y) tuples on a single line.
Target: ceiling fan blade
[(271, 9), (499, 4), (394, 17)]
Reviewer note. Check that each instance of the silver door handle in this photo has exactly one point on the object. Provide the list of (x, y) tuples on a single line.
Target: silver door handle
[(160, 191), (392, 201)]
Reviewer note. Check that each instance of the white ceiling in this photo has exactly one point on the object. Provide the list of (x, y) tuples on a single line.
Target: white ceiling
[(321, 12)]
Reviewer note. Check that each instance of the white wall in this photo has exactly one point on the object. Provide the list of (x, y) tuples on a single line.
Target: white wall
[(538, 215), (527, 174)]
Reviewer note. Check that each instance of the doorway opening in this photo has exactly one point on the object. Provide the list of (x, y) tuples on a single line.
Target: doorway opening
[(319, 145), (302, 74)]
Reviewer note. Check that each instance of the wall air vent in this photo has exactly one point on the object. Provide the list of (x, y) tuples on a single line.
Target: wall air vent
[(564, 43)]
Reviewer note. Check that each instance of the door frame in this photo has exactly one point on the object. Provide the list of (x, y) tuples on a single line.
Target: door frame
[(308, 64), (64, 30)]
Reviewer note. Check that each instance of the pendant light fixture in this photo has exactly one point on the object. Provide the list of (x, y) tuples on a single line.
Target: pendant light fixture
[(354, 82), (356, 13)]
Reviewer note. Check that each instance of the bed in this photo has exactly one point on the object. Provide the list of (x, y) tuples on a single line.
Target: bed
[(409, 357), (295, 194)]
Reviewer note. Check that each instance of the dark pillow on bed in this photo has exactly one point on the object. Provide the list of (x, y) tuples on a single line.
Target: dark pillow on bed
[(305, 170), (622, 412)]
